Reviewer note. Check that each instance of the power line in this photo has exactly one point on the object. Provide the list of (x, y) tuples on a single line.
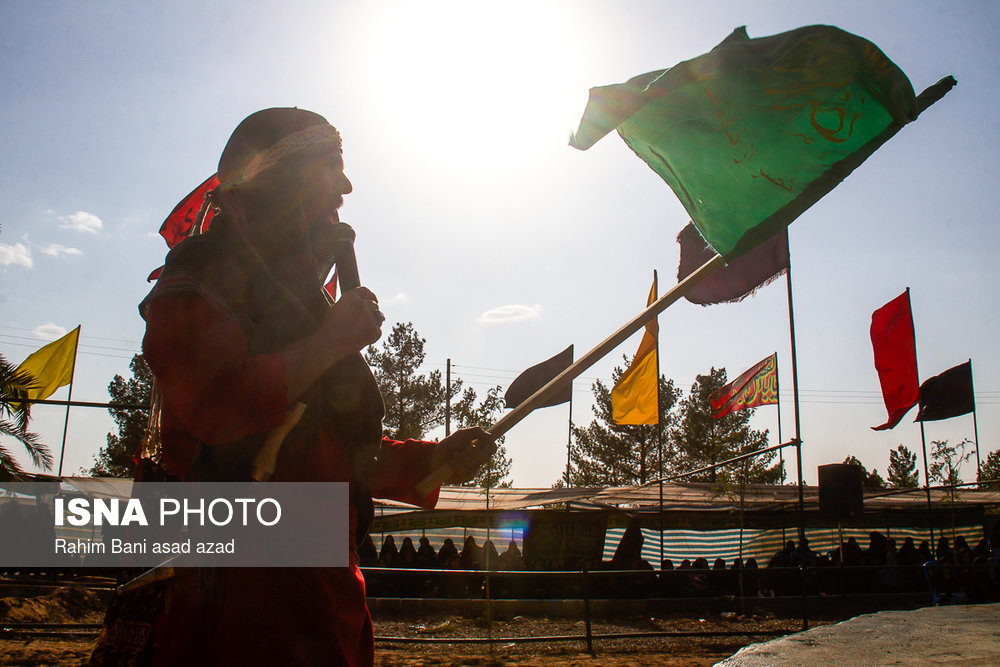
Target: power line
[(117, 340)]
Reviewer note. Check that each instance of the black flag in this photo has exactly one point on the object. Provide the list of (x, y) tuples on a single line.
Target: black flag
[(947, 395), (539, 375), (740, 277)]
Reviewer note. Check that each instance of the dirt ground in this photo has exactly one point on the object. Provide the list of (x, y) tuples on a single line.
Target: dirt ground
[(622, 652), (80, 606)]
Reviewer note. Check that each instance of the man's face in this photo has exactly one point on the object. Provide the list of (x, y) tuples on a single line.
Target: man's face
[(324, 185)]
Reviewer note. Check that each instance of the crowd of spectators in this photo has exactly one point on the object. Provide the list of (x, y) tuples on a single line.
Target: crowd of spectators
[(951, 569)]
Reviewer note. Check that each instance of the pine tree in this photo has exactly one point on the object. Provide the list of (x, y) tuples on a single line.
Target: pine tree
[(990, 470), (466, 413), (115, 458), (609, 454), (699, 441), (870, 480), (414, 402), (902, 471)]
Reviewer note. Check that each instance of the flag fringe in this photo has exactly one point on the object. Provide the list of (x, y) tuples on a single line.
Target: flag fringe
[(752, 292)]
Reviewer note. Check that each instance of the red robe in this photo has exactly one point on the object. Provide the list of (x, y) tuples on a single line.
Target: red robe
[(215, 392)]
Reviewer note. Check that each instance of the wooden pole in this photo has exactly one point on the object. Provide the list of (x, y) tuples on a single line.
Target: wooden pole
[(512, 418)]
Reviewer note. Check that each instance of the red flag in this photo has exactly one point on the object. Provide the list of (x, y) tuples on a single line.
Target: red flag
[(757, 386), (895, 358)]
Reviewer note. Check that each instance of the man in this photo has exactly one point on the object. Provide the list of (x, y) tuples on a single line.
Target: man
[(239, 331)]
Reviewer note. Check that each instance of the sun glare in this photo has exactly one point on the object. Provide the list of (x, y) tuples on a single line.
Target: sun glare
[(472, 74)]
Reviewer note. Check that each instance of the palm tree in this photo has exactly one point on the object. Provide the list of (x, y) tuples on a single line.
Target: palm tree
[(14, 416)]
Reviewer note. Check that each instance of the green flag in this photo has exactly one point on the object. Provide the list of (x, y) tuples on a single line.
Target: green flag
[(754, 132)]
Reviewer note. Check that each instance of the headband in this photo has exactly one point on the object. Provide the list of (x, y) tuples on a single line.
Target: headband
[(314, 135)]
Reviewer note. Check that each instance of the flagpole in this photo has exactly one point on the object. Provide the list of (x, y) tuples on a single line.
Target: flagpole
[(927, 483), (512, 418), (69, 399), (923, 437), (798, 433), (659, 421), (975, 424), (777, 393)]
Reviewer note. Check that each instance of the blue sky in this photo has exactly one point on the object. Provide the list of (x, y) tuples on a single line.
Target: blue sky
[(475, 220)]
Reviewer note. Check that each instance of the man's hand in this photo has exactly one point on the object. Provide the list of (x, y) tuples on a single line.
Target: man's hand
[(348, 327), (465, 451), (354, 322)]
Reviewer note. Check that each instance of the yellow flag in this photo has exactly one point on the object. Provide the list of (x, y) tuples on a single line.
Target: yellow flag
[(636, 397), (52, 365)]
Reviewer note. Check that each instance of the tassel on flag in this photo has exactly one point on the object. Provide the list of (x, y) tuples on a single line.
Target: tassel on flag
[(740, 277), (895, 351)]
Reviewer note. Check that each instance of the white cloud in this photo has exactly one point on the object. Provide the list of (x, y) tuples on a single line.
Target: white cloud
[(49, 331), (56, 250), (399, 298), (510, 313), (17, 254), (81, 221)]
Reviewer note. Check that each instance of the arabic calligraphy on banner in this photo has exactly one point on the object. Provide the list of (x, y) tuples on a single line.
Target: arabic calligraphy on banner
[(757, 386)]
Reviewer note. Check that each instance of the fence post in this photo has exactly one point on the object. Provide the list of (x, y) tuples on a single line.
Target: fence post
[(586, 610)]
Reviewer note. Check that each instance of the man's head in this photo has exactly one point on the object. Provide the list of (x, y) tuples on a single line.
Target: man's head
[(267, 138), (290, 152), (288, 162)]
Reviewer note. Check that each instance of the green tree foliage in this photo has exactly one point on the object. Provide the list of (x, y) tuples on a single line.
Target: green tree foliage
[(989, 471), (870, 480), (608, 454), (414, 402), (115, 458), (698, 440), (947, 460), (14, 418), (466, 413), (902, 470)]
